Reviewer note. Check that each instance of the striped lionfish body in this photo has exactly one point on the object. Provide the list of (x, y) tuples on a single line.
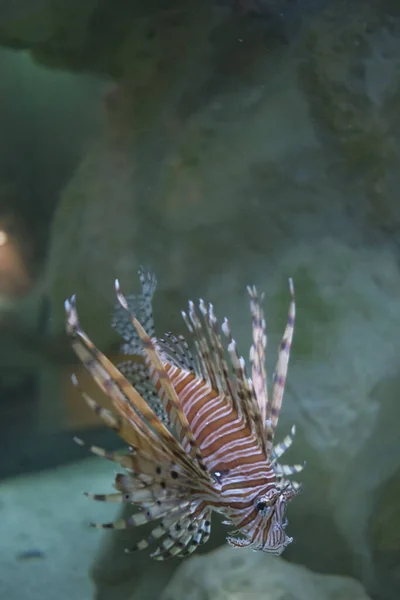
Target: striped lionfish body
[(200, 430)]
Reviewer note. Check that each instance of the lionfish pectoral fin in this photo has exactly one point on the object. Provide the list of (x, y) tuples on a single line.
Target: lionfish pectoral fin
[(117, 423), (146, 430), (121, 524), (136, 520), (113, 498), (121, 459), (158, 466), (184, 537), (168, 527)]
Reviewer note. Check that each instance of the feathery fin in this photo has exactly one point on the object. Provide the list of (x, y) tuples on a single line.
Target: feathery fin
[(165, 383)]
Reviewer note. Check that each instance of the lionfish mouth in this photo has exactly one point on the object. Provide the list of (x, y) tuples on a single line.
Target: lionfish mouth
[(276, 541)]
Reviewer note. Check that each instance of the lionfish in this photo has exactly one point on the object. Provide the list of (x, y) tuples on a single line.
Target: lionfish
[(200, 431)]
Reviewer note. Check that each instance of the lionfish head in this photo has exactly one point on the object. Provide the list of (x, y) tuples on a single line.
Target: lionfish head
[(271, 535), (267, 532)]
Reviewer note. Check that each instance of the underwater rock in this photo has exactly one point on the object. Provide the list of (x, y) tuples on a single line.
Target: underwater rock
[(233, 171), (91, 36), (351, 74), (371, 515), (117, 575), (45, 533), (384, 526), (35, 23), (25, 22), (231, 574)]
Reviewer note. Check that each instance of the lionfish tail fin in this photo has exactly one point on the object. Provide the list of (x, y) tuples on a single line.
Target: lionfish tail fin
[(140, 305)]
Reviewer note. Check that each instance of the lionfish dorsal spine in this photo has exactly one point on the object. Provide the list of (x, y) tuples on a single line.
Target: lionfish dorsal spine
[(257, 356), (279, 377)]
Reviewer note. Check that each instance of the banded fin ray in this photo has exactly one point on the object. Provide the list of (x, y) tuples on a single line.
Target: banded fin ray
[(185, 537), (126, 399), (247, 402), (257, 357), (279, 377)]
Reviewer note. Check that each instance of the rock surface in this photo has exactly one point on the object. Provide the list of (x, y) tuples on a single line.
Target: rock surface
[(231, 574), (46, 544)]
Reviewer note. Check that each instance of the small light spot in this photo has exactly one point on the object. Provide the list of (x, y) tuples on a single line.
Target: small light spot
[(3, 238)]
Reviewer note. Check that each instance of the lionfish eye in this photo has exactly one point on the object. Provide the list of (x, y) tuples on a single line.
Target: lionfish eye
[(264, 507)]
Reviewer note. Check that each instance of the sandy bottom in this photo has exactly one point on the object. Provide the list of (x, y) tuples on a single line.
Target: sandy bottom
[(46, 546)]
